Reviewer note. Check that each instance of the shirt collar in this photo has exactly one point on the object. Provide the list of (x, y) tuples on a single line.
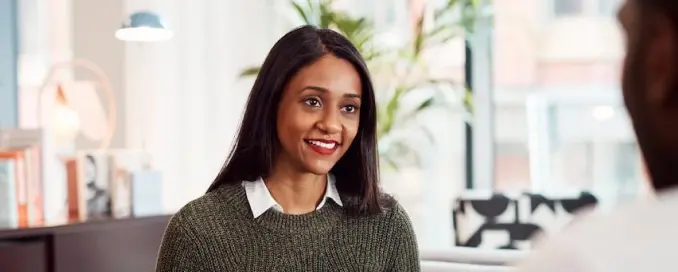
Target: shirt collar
[(260, 199)]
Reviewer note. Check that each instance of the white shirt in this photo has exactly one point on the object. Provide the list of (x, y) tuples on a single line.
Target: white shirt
[(636, 238), (260, 199)]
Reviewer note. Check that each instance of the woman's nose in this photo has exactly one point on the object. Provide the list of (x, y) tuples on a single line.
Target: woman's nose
[(330, 123)]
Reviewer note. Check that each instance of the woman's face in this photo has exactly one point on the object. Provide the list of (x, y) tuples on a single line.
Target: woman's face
[(319, 115)]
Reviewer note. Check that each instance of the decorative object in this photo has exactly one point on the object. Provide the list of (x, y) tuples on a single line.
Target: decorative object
[(505, 221), (65, 121), (146, 192), (72, 110), (144, 26), (400, 73)]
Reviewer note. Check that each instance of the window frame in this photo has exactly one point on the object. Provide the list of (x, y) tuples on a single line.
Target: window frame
[(580, 10), (479, 136)]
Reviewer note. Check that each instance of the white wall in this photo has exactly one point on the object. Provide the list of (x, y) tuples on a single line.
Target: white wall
[(184, 100), (9, 55), (93, 24)]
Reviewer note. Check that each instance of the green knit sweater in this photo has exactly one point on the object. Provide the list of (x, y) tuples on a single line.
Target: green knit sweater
[(217, 232)]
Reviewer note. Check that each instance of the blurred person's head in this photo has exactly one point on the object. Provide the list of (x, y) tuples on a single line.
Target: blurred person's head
[(650, 83), (311, 110)]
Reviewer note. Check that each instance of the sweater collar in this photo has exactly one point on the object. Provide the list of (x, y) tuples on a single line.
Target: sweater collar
[(260, 199)]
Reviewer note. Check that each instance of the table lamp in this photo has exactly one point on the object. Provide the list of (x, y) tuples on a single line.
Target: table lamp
[(64, 120)]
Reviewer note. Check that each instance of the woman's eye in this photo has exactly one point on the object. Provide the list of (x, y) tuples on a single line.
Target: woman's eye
[(350, 108), (313, 102)]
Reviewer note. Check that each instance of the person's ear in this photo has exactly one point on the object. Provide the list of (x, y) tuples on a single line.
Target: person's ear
[(661, 64)]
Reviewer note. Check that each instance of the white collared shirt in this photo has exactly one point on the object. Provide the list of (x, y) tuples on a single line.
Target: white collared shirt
[(260, 199)]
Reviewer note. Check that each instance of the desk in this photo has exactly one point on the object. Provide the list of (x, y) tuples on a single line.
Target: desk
[(111, 245)]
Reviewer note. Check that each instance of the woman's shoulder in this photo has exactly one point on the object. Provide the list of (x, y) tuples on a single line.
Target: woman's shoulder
[(216, 205), (395, 217), (392, 210)]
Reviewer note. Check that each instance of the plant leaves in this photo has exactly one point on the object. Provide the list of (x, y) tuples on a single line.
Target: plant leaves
[(301, 12), (425, 105), (398, 71)]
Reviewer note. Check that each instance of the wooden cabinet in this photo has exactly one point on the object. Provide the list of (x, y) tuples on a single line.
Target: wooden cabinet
[(25, 255), (128, 245)]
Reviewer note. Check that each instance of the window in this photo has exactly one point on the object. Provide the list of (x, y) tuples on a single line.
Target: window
[(559, 120), (568, 7), (512, 167)]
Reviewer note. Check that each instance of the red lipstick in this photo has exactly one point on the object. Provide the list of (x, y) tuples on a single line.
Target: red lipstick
[(323, 147)]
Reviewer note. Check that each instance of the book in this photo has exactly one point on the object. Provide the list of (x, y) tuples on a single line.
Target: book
[(16, 205), (123, 163), (33, 161), (73, 189), (9, 208)]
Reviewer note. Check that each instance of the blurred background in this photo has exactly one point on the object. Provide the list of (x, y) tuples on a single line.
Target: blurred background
[(475, 97)]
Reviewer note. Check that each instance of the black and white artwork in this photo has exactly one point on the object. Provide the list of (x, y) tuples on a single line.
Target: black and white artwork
[(96, 178), (510, 222)]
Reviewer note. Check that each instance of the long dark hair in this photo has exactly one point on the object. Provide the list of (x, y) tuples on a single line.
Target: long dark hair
[(257, 143)]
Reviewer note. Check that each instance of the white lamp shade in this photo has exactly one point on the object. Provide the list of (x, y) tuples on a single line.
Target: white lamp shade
[(144, 26)]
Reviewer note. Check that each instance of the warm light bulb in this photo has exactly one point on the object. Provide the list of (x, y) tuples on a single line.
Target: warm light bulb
[(65, 123)]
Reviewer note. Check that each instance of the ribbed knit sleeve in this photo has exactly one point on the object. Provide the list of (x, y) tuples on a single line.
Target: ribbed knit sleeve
[(179, 250), (406, 249)]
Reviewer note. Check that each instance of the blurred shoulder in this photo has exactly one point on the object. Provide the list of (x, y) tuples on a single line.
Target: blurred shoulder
[(602, 238)]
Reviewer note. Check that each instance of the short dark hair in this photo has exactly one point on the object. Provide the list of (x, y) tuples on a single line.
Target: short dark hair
[(257, 143), (667, 7), (659, 155)]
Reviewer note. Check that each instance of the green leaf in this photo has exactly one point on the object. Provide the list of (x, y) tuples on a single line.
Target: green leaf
[(250, 71), (419, 35), (390, 162), (313, 13), (468, 101), (389, 114), (325, 13), (301, 12), (425, 105)]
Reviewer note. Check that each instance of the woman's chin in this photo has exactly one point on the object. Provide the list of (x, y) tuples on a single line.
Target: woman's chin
[(319, 167)]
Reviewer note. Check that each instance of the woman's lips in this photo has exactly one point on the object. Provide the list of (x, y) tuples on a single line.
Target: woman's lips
[(323, 147)]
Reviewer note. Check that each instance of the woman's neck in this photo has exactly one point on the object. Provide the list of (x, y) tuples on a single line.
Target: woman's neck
[(296, 192)]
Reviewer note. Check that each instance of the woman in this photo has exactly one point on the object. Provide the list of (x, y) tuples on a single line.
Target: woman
[(300, 189)]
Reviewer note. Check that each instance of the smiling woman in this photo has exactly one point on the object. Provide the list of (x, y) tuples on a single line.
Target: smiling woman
[(300, 190)]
